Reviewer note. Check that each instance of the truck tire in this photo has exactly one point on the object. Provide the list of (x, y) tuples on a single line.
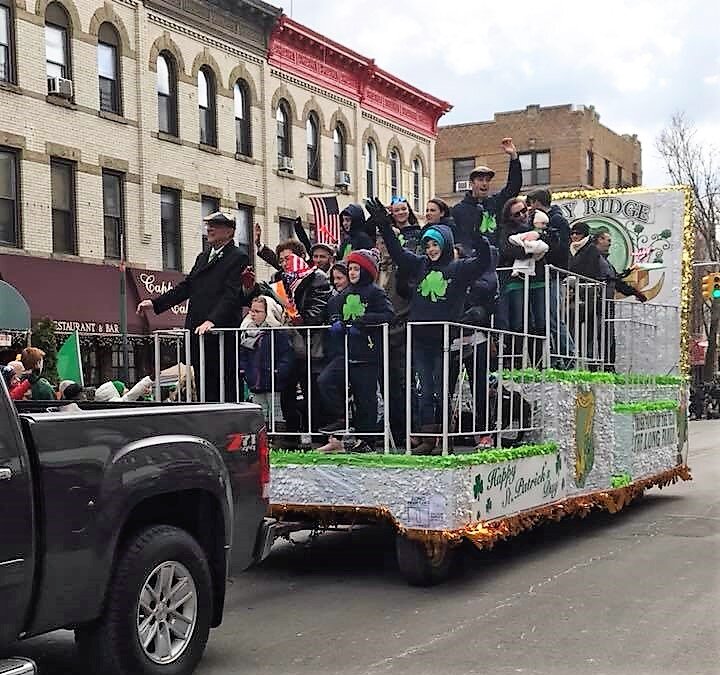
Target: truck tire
[(417, 566), (161, 589)]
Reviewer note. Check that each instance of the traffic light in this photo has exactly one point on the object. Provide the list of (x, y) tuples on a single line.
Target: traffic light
[(711, 286)]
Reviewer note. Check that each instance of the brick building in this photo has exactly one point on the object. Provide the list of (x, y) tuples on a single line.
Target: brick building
[(562, 147), (125, 122)]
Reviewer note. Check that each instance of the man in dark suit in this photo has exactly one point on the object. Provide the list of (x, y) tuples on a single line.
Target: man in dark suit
[(214, 288)]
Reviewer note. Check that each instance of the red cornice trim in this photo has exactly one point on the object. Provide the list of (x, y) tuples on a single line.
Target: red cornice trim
[(299, 50)]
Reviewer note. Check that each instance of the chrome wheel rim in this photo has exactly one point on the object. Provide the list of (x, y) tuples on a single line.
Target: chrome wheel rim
[(167, 612)]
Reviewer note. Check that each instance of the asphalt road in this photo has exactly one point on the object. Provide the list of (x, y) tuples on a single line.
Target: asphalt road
[(636, 593)]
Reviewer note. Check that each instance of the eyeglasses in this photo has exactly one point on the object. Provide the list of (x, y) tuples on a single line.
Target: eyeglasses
[(521, 212), (398, 200)]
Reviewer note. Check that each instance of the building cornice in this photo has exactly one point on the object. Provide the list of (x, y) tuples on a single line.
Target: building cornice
[(297, 49)]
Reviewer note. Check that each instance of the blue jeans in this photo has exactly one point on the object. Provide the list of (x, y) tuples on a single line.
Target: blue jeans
[(511, 314), (561, 342)]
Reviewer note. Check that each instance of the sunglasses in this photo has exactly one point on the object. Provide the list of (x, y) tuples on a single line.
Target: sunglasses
[(521, 212), (398, 200)]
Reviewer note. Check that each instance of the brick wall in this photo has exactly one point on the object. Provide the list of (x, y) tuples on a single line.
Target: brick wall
[(568, 132)]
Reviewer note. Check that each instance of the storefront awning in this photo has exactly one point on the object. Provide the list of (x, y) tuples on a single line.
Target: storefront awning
[(81, 296), (14, 311)]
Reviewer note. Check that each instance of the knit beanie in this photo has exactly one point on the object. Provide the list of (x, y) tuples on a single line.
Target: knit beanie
[(368, 259), (120, 386), (436, 236)]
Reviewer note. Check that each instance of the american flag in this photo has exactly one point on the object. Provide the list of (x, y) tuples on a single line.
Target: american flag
[(327, 220)]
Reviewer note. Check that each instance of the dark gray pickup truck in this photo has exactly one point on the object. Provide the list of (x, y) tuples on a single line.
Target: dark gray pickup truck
[(122, 522)]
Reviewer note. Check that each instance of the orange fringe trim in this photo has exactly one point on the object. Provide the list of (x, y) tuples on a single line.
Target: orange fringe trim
[(484, 534)]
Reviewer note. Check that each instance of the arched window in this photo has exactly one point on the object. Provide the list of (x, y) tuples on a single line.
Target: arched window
[(312, 132), (58, 36), (109, 69), (371, 169), (395, 173), (206, 106), (243, 139), (167, 94), (339, 148), (417, 171), (282, 118)]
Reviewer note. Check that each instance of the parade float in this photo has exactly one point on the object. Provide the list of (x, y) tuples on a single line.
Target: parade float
[(605, 437)]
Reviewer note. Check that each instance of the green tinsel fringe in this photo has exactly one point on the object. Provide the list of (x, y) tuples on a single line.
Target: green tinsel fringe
[(377, 460), (619, 480), (649, 406), (585, 377)]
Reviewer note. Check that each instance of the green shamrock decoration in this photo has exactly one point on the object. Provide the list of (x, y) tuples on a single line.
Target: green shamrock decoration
[(353, 307), (402, 240), (434, 285), (479, 487), (488, 223), (488, 504)]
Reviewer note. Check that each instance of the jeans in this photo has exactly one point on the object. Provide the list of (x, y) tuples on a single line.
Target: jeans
[(478, 374), (561, 342)]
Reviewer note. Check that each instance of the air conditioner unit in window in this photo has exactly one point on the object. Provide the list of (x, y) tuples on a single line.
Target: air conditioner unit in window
[(286, 164), (342, 179), (59, 86), (461, 185)]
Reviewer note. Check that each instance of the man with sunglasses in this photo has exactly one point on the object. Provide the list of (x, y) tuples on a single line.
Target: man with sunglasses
[(477, 214)]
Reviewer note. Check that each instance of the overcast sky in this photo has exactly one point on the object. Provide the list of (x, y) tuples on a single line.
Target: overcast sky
[(636, 61)]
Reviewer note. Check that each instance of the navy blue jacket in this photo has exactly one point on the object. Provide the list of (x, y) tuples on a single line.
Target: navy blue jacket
[(468, 214), (364, 335), (257, 364), (442, 285), (358, 236)]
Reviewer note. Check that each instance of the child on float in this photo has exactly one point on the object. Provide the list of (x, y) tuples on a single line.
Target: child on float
[(263, 373), (439, 296), (356, 312)]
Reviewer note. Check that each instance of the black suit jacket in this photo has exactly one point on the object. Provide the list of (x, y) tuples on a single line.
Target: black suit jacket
[(214, 290)]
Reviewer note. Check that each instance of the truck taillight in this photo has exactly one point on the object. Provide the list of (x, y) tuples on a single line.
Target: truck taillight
[(264, 461)]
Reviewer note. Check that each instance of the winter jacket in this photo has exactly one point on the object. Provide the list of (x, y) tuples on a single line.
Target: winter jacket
[(510, 252), (441, 292), (19, 389), (214, 289), (360, 307), (256, 363), (468, 214), (482, 297), (358, 236), (614, 281), (311, 298), (587, 261), (559, 232), (41, 389)]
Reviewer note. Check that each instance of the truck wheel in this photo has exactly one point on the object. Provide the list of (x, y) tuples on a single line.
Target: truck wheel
[(158, 608), (417, 565)]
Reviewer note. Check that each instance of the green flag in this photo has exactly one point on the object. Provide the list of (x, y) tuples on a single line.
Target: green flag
[(69, 365)]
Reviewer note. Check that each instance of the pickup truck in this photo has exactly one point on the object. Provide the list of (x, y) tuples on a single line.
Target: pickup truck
[(122, 521)]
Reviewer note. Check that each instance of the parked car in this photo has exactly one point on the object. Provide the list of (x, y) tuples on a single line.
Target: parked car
[(121, 522)]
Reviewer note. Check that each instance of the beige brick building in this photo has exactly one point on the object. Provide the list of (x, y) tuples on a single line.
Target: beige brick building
[(562, 147), (124, 122)]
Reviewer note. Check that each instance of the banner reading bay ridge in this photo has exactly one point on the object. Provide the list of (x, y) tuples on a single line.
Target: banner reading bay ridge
[(651, 231)]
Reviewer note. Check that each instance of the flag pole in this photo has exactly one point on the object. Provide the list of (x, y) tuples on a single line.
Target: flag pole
[(123, 309)]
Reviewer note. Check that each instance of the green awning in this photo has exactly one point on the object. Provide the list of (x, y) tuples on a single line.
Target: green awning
[(14, 311)]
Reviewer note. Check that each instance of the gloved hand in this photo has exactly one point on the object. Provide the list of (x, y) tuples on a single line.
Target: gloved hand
[(378, 212), (248, 279), (337, 328)]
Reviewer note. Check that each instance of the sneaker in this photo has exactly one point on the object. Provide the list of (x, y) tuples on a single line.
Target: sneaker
[(334, 445), (484, 442), (357, 445)]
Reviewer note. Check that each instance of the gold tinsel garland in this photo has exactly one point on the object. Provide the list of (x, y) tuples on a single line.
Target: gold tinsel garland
[(687, 241), (484, 535)]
